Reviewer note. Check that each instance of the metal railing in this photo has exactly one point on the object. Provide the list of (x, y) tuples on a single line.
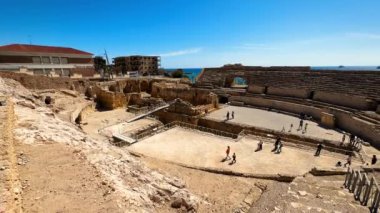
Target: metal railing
[(186, 126), (366, 190)]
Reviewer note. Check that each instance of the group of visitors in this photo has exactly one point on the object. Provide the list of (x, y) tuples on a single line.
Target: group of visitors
[(276, 149), (232, 115), (228, 155), (301, 127)]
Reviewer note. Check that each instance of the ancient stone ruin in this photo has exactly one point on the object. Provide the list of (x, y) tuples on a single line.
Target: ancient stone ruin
[(158, 144)]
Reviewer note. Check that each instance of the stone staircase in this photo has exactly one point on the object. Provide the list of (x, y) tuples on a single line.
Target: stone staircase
[(310, 193)]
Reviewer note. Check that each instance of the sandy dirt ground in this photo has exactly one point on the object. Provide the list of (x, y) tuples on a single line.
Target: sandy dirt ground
[(205, 150), (273, 120), (101, 119), (222, 192), (56, 179)]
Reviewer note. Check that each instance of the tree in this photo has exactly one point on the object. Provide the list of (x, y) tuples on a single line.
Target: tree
[(99, 63), (178, 73)]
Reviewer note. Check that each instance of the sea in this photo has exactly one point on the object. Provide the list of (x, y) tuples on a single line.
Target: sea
[(192, 73)]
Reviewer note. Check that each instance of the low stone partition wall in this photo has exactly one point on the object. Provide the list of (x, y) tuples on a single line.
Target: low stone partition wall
[(256, 89), (357, 126), (41, 82), (279, 105), (110, 100), (195, 96), (289, 92), (355, 102)]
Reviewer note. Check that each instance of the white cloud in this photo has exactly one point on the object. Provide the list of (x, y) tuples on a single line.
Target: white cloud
[(371, 36), (181, 52)]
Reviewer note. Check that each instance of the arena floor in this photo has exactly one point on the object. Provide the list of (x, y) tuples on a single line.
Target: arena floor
[(196, 148), (273, 120)]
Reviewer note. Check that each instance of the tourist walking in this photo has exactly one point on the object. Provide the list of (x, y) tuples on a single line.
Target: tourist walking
[(279, 148), (291, 127), (304, 131), (278, 141), (352, 137), (233, 114), (301, 125), (233, 158), (319, 149), (259, 146), (228, 152), (374, 160), (349, 159), (228, 116), (343, 138)]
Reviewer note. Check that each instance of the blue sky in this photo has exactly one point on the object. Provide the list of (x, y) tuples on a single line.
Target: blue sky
[(204, 33)]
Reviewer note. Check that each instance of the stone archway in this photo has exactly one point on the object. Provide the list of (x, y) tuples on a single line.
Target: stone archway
[(236, 81), (223, 99), (239, 81)]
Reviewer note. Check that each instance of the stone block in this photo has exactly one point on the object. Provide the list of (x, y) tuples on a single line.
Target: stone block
[(328, 120), (237, 103), (256, 89)]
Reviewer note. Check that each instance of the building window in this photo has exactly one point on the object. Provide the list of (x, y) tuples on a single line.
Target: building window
[(64, 61), (36, 60), (45, 60), (55, 60)]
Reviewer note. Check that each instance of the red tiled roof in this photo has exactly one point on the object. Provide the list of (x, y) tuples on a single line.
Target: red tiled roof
[(41, 49)]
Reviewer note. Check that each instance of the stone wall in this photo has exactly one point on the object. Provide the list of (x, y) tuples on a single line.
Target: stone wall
[(288, 92), (344, 120), (110, 100), (357, 126), (44, 82), (195, 96), (357, 83), (183, 107), (352, 101), (279, 105)]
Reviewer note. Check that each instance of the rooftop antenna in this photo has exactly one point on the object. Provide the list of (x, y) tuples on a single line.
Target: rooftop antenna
[(105, 53)]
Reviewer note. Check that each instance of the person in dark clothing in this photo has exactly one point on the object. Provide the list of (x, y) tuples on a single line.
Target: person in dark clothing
[(233, 158), (279, 148), (278, 141), (352, 138), (349, 159), (259, 146), (228, 116), (319, 148), (228, 152), (301, 125), (374, 159), (233, 115)]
